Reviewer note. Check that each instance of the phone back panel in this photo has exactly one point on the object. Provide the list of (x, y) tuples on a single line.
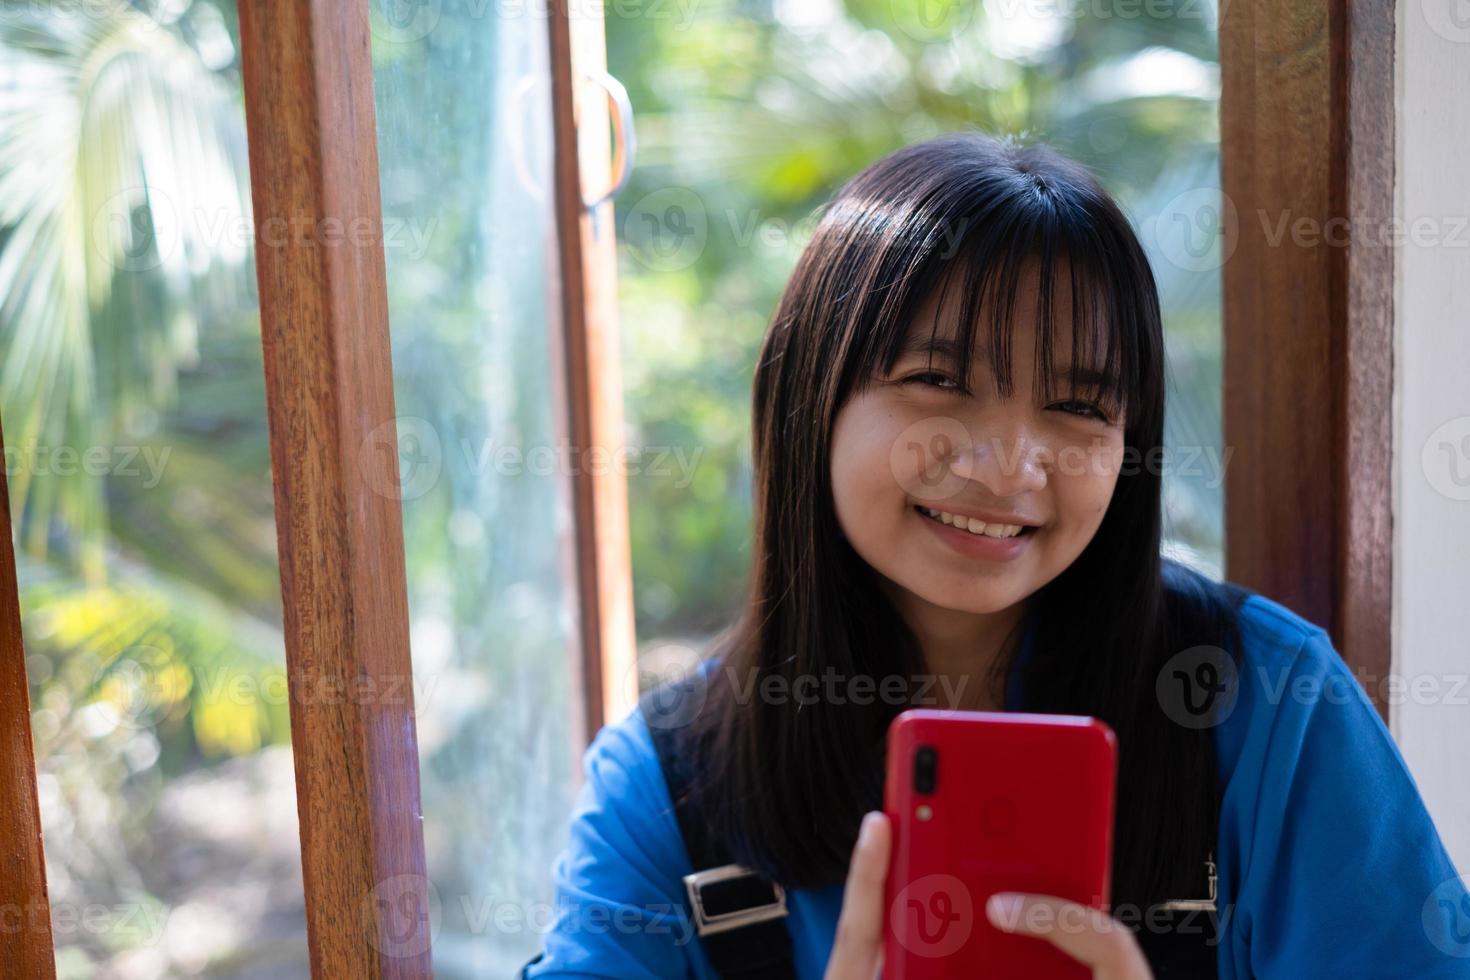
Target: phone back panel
[(1019, 802)]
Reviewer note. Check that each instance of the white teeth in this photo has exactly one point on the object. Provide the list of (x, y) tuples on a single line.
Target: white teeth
[(974, 526)]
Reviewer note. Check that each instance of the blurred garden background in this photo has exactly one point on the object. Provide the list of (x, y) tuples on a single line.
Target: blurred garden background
[(132, 395)]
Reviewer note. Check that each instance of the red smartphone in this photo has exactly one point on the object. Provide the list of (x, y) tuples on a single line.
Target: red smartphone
[(982, 802)]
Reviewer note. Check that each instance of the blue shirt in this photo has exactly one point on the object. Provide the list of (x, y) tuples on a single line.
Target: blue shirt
[(1328, 862)]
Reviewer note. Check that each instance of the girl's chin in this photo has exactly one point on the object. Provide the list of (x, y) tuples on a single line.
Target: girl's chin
[(967, 596)]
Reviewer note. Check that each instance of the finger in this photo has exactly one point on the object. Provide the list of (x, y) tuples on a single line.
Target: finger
[(1085, 934), (858, 948)]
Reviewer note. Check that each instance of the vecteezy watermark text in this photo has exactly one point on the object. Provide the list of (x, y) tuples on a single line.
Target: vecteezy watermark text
[(422, 456), (836, 688), (147, 462)]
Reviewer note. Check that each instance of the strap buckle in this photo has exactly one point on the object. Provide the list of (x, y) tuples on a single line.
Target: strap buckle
[(731, 908), (1198, 904)]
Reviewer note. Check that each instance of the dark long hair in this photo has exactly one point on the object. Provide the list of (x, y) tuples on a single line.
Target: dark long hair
[(784, 782)]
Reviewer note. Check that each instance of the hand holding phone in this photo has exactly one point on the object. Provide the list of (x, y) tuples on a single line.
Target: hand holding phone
[(1107, 947), (996, 802)]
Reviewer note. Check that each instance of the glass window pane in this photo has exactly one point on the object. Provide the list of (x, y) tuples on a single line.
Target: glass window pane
[(464, 134), (133, 402)]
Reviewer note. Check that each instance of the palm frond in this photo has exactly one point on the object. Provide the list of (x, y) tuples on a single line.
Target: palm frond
[(119, 194)]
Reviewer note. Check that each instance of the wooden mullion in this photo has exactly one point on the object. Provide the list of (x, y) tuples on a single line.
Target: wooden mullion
[(329, 394)]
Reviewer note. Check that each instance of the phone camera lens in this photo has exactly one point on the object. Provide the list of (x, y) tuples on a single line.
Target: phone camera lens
[(926, 765)]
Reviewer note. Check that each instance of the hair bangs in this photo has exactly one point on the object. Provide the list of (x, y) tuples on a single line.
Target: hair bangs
[(1073, 277)]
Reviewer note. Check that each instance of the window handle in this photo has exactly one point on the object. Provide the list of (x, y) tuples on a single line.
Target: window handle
[(624, 140)]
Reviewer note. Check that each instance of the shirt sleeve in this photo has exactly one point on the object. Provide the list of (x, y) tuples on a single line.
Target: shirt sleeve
[(616, 910), (1347, 875)]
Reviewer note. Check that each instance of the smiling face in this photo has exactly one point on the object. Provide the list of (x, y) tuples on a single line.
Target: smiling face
[(933, 469)]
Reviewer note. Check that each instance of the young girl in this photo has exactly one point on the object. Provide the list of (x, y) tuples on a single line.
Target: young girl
[(958, 412)]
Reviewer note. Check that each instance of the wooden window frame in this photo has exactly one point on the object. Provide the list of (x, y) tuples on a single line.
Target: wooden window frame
[(589, 351), (312, 131), (28, 952), (1307, 132)]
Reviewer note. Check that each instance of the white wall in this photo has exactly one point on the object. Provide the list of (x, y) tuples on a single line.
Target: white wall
[(1431, 574)]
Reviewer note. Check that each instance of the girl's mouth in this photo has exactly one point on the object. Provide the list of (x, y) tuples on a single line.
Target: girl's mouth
[(987, 543), (975, 527)]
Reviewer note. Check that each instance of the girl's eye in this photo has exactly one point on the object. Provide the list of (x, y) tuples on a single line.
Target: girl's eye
[(1082, 409), (933, 379)]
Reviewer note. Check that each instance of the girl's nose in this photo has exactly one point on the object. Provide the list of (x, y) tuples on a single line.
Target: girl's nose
[(1005, 464)]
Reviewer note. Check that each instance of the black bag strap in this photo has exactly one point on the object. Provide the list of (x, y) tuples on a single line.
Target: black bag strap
[(740, 917)]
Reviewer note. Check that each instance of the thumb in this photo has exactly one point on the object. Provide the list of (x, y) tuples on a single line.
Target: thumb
[(857, 952)]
